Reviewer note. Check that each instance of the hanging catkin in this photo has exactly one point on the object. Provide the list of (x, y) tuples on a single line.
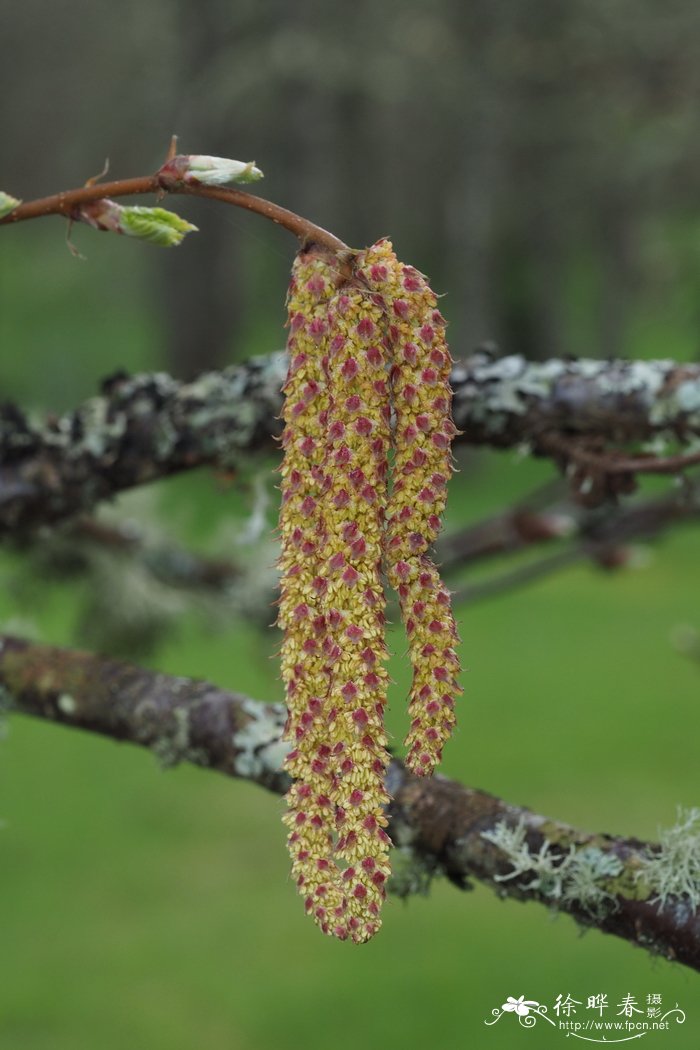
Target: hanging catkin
[(421, 398), (366, 342)]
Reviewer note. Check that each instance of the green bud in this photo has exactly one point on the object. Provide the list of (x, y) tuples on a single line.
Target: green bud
[(150, 224), (197, 170), (7, 204), (155, 224), (219, 171)]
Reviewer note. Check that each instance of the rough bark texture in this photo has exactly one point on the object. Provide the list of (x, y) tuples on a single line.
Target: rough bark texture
[(140, 428), (508, 400), (437, 825), (150, 426)]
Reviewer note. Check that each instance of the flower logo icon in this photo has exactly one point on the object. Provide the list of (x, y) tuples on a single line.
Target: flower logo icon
[(520, 1006)]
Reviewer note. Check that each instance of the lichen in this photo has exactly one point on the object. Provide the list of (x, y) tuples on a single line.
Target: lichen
[(411, 872), (493, 392), (586, 876), (580, 876), (171, 743), (545, 866), (672, 870), (260, 749), (66, 704)]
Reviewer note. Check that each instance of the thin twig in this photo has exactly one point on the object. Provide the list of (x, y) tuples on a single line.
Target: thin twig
[(520, 527), (67, 201), (614, 462)]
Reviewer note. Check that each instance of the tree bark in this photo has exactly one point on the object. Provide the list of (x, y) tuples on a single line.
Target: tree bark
[(150, 426)]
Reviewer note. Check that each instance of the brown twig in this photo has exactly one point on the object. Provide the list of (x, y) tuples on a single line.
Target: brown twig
[(438, 821), (601, 537), (67, 202), (531, 521), (518, 528), (190, 570), (614, 462)]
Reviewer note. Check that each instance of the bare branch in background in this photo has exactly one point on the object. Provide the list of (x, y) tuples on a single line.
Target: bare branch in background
[(600, 536), (539, 517), (136, 582), (531, 572), (139, 581), (621, 886), (174, 564), (151, 426)]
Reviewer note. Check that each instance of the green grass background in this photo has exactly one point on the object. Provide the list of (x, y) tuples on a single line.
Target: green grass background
[(153, 911)]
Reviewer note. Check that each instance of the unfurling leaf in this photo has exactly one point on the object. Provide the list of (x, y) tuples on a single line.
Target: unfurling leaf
[(149, 224), (7, 204)]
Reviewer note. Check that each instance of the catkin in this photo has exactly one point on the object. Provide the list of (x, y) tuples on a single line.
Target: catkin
[(421, 398), (368, 380)]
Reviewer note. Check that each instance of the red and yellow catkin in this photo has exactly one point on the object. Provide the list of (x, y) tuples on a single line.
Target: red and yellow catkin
[(368, 371), (421, 398), (358, 447), (302, 616)]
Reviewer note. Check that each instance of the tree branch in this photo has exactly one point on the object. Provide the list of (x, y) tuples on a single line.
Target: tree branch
[(68, 203), (599, 536), (438, 825), (138, 429), (174, 564), (614, 463), (151, 426)]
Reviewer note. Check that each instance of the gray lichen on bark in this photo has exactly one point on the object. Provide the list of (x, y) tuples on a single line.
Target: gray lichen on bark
[(259, 745), (583, 876), (151, 426), (511, 399), (140, 428)]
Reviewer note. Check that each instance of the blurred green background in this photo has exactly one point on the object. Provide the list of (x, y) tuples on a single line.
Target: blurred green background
[(540, 161)]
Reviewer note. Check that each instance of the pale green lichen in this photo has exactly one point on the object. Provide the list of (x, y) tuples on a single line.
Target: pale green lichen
[(99, 428), (493, 390), (672, 870), (584, 871), (411, 872), (579, 876), (174, 746), (545, 867), (66, 704), (681, 400), (261, 751), (687, 396)]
